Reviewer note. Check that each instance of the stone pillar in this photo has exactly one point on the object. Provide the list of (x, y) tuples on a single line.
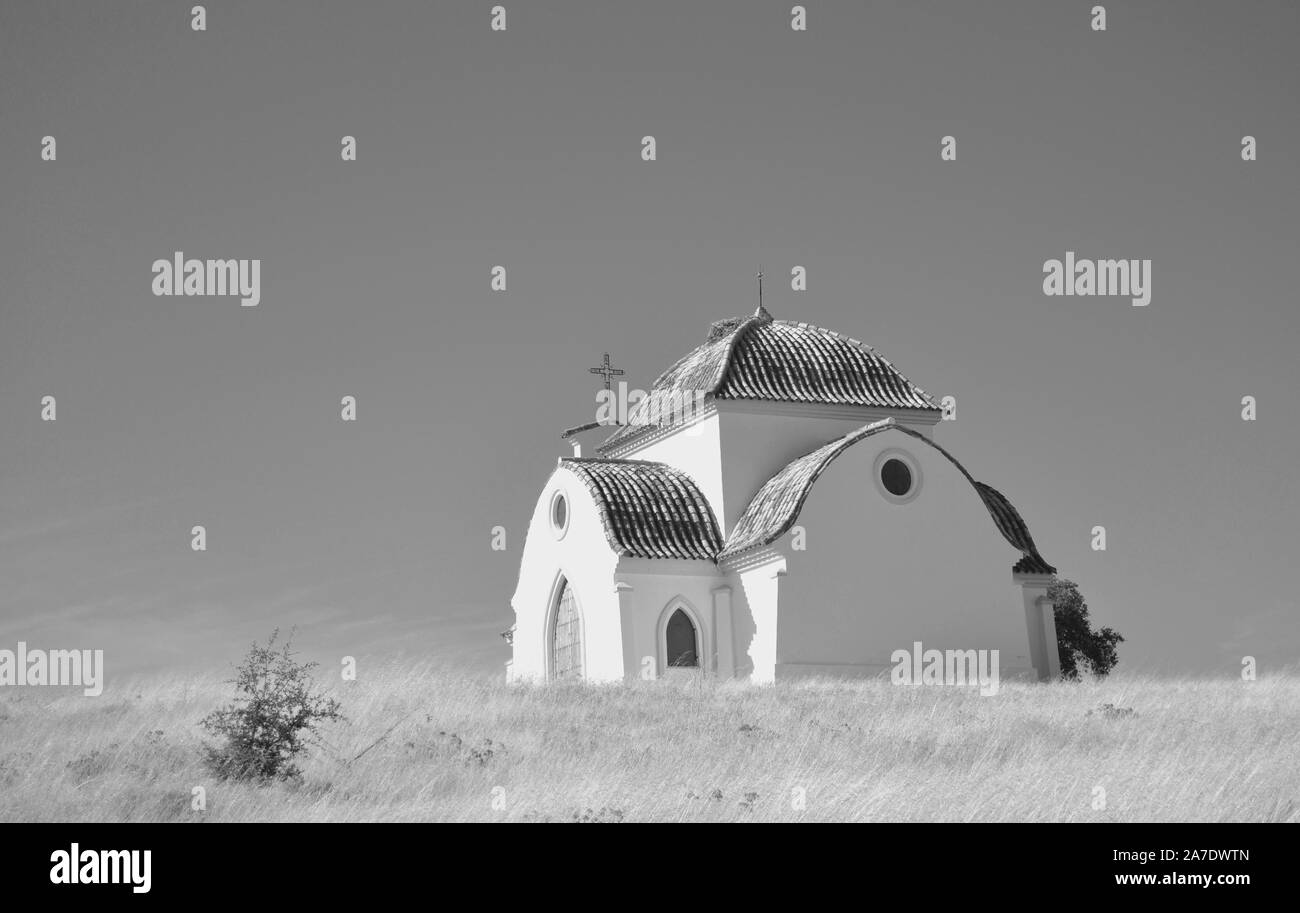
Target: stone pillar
[(724, 648), (627, 630), (760, 579), (763, 589), (1040, 620)]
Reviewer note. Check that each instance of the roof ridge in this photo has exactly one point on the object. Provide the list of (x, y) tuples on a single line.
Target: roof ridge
[(727, 359), (620, 460), (731, 338)]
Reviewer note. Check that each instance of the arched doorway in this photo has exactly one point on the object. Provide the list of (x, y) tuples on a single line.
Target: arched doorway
[(566, 637)]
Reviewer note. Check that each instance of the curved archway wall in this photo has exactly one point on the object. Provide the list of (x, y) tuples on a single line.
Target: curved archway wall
[(582, 556), (758, 439), (877, 576)]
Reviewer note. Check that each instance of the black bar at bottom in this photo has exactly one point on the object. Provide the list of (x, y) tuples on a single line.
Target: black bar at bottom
[(335, 862)]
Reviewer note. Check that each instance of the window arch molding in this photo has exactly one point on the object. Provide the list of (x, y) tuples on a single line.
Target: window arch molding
[(559, 512), (703, 643)]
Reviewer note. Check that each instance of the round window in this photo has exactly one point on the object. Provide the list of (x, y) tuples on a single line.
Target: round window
[(559, 514), (896, 476)]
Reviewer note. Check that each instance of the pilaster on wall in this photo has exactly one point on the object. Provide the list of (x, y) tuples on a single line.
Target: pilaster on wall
[(627, 629), (778, 575), (1040, 620), (1049, 635), (724, 646)]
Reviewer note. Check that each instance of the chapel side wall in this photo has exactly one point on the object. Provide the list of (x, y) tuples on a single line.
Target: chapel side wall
[(584, 557), (652, 593), (876, 576)]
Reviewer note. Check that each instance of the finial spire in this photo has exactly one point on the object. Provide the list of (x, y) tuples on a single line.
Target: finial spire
[(762, 311)]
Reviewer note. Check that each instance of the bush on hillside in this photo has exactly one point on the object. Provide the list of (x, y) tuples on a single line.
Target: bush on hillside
[(274, 719)]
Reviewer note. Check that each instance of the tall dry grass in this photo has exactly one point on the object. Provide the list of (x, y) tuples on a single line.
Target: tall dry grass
[(438, 747)]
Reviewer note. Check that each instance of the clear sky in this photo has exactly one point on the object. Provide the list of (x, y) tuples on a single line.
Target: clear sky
[(522, 148)]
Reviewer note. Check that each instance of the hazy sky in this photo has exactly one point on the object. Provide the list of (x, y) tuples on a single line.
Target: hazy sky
[(522, 148)]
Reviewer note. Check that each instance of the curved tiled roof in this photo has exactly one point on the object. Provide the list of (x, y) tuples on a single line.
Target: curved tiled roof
[(777, 505), (798, 362), (775, 508), (764, 359), (1013, 529), (652, 510), (649, 510)]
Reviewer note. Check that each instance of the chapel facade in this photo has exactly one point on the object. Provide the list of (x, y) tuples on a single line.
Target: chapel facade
[(802, 522)]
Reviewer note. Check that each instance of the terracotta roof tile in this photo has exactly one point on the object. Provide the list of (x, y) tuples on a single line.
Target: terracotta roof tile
[(765, 359), (798, 362), (649, 510), (1033, 564), (1013, 529)]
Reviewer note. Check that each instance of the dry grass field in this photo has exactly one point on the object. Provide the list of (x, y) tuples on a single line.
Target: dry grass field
[(439, 748)]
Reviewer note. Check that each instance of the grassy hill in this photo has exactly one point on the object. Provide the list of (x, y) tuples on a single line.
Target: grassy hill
[(435, 747)]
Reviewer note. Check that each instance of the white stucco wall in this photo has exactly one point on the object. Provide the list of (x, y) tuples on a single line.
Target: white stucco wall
[(758, 444), (877, 576), (758, 592), (584, 558), (656, 586)]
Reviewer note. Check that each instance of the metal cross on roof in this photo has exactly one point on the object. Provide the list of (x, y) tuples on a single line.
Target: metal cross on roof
[(762, 311), (606, 370)]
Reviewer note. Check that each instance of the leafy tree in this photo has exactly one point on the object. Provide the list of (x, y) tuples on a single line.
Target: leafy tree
[(1081, 648), (273, 720)]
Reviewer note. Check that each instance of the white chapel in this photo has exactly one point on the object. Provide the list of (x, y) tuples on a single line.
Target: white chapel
[(776, 506)]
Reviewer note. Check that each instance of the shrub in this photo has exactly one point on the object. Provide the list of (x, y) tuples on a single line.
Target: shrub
[(274, 719), (1081, 648)]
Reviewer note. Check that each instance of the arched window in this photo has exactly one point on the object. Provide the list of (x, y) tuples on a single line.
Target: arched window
[(682, 640), (566, 637)]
